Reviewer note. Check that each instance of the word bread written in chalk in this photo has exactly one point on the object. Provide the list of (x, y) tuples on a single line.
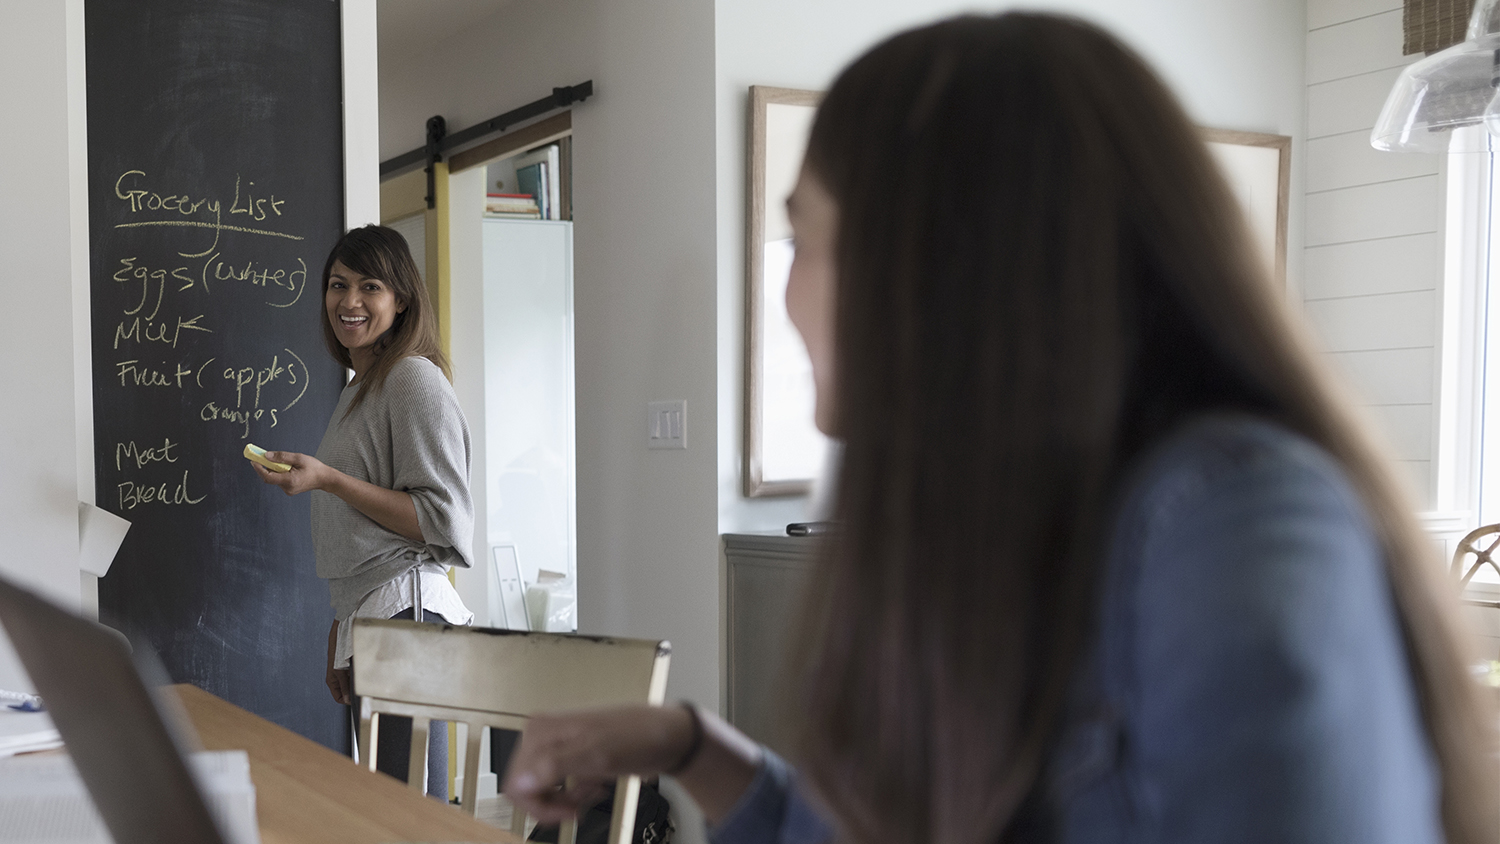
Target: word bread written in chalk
[(133, 495)]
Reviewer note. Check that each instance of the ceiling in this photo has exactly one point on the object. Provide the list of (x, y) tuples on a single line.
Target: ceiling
[(412, 27)]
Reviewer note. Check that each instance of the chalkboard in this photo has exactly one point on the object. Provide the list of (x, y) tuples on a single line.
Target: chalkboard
[(215, 193)]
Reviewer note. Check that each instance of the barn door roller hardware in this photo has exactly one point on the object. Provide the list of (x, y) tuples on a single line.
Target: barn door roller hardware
[(439, 141)]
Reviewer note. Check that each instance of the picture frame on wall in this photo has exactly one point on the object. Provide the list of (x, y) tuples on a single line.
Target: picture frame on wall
[(1258, 167), (784, 451)]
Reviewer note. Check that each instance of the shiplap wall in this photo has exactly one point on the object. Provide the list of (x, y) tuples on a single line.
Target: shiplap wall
[(1374, 243)]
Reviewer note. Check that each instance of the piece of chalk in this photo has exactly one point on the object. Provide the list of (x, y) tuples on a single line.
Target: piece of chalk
[(256, 454)]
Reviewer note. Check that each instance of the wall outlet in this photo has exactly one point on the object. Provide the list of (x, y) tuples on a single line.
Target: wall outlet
[(666, 424)]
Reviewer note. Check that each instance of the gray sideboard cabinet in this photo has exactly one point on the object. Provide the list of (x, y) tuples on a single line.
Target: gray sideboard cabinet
[(766, 577)]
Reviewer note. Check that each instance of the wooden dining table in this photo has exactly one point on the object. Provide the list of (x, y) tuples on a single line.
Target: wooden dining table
[(305, 792)]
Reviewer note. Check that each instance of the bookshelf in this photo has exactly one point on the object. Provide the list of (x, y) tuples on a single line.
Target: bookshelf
[(533, 184)]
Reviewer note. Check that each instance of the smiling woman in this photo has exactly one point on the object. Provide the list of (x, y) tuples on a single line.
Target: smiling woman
[(391, 510), (361, 310)]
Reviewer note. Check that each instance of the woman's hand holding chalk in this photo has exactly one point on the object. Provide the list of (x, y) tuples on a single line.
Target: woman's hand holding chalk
[(256, 454), (298, 474)]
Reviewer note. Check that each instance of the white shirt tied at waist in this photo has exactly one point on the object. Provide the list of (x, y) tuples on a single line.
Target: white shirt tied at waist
[(426, 585)]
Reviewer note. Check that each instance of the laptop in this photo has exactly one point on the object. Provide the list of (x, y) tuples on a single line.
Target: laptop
[(127, 749)]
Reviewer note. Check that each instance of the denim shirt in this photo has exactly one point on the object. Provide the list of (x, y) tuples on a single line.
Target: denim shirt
[(1247, 680)]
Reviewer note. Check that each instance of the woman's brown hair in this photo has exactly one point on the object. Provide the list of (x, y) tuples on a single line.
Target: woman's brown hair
[(381, 253), (1040, 273)]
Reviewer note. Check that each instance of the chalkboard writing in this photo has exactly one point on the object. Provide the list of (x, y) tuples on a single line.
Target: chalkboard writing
[(215, 193)]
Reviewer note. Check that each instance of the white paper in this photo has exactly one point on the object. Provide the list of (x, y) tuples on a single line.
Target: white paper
[(42, 799), (24, 732), (100, 533)]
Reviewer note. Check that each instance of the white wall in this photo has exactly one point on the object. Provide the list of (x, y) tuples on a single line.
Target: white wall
[(361, 111), (644, 281), (44, 231), (466, 347), (1374, 221), (1236, 64)]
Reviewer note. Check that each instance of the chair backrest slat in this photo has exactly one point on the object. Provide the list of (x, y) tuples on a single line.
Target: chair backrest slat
[(499, 677), (479, 668)]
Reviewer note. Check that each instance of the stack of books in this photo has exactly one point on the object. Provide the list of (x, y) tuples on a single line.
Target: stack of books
[(537, 174), (517, 206)]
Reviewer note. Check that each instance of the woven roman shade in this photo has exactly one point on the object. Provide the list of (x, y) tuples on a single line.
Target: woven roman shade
[(1431, 25)]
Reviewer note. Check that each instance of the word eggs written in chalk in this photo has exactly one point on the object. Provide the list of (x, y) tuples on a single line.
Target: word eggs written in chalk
[(197, 270)]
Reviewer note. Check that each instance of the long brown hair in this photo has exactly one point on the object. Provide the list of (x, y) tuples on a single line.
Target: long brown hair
[(381, 253), (1040, 272)]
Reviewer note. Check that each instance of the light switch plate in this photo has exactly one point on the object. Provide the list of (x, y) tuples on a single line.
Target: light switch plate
[(666, 424)]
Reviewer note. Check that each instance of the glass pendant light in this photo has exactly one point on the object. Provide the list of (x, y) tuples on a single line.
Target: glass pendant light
[(1436, 99)]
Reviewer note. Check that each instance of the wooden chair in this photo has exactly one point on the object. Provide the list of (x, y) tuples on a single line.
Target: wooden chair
[(484, 677), (1475, 551)]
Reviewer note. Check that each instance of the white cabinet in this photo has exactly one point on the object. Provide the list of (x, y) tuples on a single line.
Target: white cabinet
[(528, 393)]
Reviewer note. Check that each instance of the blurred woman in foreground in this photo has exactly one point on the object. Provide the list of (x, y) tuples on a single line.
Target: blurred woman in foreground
[(1114, 563)]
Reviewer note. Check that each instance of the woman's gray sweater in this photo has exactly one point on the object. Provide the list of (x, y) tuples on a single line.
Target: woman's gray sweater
[(409, 435)]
